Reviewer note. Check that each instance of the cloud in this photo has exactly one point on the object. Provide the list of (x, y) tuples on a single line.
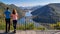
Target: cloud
[(30, 4)]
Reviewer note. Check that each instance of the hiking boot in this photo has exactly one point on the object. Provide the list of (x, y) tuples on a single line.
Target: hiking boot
[(14, 31)]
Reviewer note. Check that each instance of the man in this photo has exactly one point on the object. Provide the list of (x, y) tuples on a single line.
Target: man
[(7, 14)]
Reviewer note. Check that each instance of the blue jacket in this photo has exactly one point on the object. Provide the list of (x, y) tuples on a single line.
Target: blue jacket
[(7, 14)]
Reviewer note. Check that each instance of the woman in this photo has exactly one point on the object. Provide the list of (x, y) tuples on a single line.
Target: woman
[(14, 16)]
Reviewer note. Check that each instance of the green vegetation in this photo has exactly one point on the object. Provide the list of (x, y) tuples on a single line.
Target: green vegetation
[(55, 26), (27, 26)]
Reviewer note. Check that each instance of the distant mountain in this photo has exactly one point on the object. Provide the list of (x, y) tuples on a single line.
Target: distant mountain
[(36, 7), (11, 7), (47, 14), (25, 8), (30, 7)]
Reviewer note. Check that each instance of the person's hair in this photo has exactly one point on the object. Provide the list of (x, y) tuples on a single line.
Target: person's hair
[(7, 8), (14, 11)]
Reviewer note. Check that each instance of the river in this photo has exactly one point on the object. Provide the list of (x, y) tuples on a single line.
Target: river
[(27, 15)]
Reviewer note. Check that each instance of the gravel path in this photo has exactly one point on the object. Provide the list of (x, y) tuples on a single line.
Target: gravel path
[(32, 32)]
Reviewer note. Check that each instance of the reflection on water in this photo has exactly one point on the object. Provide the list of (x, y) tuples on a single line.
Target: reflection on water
[(22, 20), (28, 13)]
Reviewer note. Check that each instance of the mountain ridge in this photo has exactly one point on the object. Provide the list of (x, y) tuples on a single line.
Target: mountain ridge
[(47, 14)]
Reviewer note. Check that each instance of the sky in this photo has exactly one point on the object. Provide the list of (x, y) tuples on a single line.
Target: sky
[(26, 3)]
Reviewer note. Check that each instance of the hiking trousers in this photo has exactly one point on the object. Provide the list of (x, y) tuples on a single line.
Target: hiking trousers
[(7, 24)]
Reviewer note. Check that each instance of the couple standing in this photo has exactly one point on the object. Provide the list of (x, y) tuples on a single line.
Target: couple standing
[(8, 15)]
